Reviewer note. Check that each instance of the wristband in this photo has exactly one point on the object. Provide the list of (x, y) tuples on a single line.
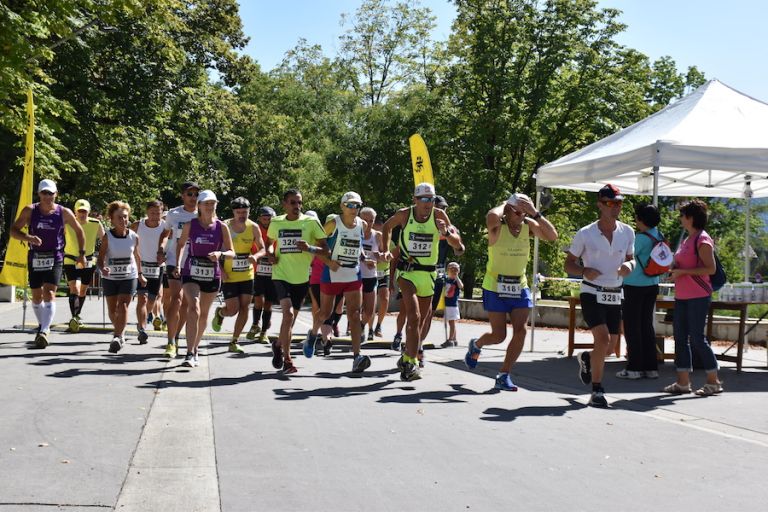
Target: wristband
[(312, 249)]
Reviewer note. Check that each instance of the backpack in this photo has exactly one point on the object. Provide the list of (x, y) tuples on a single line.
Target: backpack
[(718, 279), (661, 257)]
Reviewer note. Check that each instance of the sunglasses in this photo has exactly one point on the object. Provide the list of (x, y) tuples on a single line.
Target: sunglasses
[(430, 199), (611, 204), (46, 192), (353, 206), (191, 194)]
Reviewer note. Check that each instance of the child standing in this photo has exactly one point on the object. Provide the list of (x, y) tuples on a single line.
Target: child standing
[(453, 285)]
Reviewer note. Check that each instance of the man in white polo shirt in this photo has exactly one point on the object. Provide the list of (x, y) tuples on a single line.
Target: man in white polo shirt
[(605, 248)]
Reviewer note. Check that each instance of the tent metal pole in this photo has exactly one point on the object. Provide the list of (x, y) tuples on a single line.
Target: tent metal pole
[(656, 186), (748, 214), (535, 273)]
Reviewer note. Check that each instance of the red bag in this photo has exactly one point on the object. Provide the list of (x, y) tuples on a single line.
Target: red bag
[(661, 258)]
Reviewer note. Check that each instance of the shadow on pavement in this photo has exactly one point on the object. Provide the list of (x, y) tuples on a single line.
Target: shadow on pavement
[(332, 392), (445, 397), (498, 414)]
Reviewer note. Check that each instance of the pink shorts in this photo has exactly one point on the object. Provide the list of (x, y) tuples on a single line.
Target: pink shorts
[(339, 288)]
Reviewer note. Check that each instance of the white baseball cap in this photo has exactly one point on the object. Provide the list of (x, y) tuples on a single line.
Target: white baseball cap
[(351, 197), (512, 201), (312, 213), (424, 189), (206, 195), (47, 185)]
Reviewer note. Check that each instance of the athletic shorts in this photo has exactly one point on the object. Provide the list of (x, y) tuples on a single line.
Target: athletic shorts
[(439, 285), (382, 282), (84, 275), (114, 287), (263, 286), (168, 275), (314, 289), (598, 314), (152, 288), (296, 292), (369, 284), (211, 286), (423, 281), (39, 278), (339, 288), (452, 313), (495, 304), (233, 290)]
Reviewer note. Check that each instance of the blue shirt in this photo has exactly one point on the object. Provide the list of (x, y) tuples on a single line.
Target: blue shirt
[(643, 246), (451, 292)]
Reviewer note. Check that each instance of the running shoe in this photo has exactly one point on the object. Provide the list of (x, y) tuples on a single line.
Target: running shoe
[(370, 335), (74, 325), (504, 382), (651, 374), (195, 360), (420, 357), (189, 360), (170, 351), (143, 337), (150, 317), (115, 345), (629, 375), (397, 341), (450, 343), (378, 333), (253, 332), (585, 368), (472, 355), (263, 338), (400, 363), (308, 345), (277, 355), (217, 320), (360, 363), (327, 347), (289, 368), (336, 330), (164, 327), (235, 348), (41, 340), (598, 399), (410, 372), (157, 323)]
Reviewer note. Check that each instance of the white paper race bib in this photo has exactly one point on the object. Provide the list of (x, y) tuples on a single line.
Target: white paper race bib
[(609, 298), (150, 270), (508, 287), (202, 269), (241, 263), (120, 267), (420, 245), (264, 268), (349, 251), (42, 261), (287, 240)]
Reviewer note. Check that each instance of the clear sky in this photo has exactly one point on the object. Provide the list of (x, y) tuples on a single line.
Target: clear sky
[(725, 39)]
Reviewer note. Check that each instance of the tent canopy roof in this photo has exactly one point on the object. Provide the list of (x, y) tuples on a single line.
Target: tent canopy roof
[(706, 144)]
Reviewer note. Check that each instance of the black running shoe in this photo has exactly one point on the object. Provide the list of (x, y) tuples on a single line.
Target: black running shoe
[(410, 372), (598, 399), (277, 355), (143, 337), (585, 368), (327, 348)]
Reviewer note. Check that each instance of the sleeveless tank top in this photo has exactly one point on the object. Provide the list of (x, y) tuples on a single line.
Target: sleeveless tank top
[(240, 269), (71, 247), (148, 240), (507, 261), (370, 245), (345, 244), (201, 242), (120, 258), (419, 240), (50, 229)]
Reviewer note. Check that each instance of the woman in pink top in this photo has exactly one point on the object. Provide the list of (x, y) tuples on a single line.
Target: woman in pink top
[(694, 262)]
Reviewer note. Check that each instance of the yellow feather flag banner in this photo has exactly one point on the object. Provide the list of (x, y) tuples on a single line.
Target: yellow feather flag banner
[(422, 166), (15, 267)]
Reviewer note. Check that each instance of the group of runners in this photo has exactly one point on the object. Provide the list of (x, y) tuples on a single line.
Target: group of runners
[(192, 255)]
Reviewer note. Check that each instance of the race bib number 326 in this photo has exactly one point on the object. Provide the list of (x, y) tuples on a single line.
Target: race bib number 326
[(287, 240)]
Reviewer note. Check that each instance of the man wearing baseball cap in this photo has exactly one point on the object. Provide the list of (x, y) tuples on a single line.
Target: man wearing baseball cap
[(79, 279), (511, 225), (174, 303), (606, 249), (45, 221), (421, 227)]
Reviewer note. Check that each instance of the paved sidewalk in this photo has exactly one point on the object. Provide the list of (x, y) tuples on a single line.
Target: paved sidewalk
[(82, 429)]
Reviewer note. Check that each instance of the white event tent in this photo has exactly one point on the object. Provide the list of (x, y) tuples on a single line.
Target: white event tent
[(711, 143)]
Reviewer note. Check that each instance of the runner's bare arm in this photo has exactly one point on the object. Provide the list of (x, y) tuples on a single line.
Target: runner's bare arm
[(493, 221), (22, 222), (181, 243), (259, 243), (137, 256), (398, 219), (449, 231), (226, 242), (71, 220), (102, 253)]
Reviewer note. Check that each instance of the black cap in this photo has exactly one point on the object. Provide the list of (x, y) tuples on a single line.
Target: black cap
[(610, 192), (440, 202), (266, 210), (189, 184), (240, 202)]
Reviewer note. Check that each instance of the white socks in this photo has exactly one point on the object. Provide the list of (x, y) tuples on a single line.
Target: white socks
[(47, 311), (37, 310)]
